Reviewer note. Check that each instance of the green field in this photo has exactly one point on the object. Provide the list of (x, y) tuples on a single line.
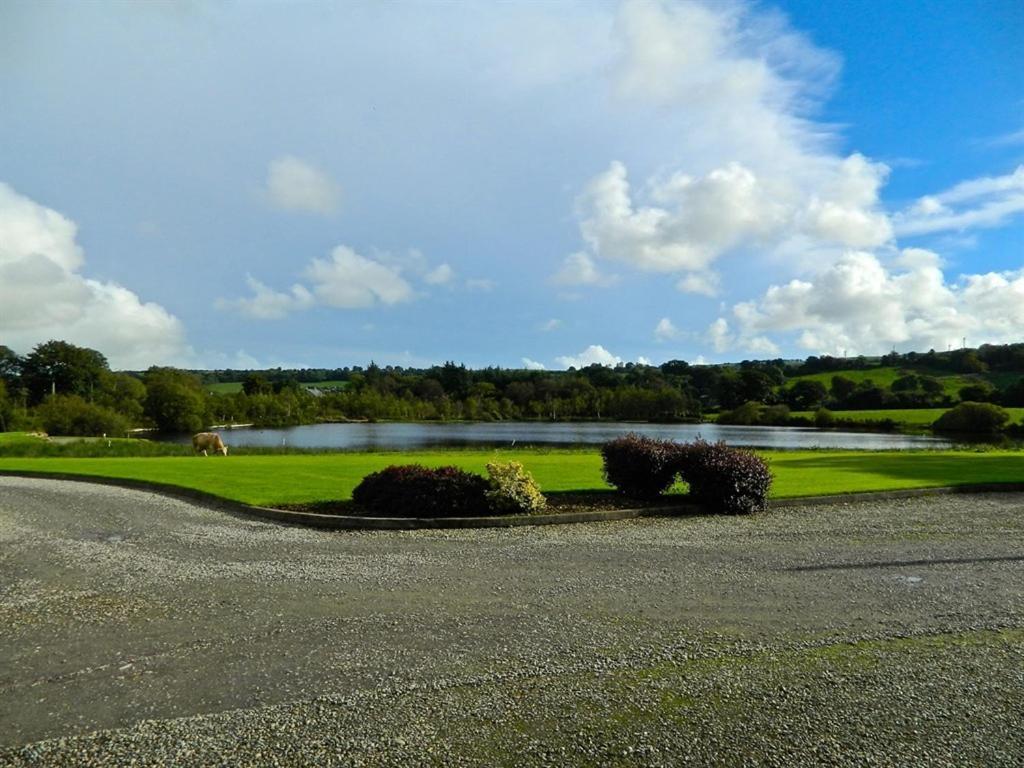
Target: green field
[(914, 417), (231, 387), (285, 479), (884, 377)]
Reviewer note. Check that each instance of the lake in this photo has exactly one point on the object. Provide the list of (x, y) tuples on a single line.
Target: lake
[(411, 436)]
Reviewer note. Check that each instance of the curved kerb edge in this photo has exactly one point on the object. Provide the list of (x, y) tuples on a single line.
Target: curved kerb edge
[(311, 519)]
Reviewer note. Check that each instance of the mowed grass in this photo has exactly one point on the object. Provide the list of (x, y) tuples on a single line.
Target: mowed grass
[(269, 480)]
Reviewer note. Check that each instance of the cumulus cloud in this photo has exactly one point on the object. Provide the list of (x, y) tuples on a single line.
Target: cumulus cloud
[(480, 285), (595, 353), (343, 280), (580, 269), (759, 172), (861, 306), (294, 185), (665, 330), (268, 304), (983, 202), (722, 338), (44, 295), (347, 280), (532, 365), (440, 275)]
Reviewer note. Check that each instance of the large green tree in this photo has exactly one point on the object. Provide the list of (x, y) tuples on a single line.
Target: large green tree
[(57, 367), (175, 401)]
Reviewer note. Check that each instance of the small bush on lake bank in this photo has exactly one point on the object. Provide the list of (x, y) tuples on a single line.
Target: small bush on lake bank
[(973, 418)]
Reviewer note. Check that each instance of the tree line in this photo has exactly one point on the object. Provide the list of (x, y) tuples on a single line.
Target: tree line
[(66, 389)]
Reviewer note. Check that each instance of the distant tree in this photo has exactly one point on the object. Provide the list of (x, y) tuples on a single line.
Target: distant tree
[(72, 415), (842, 387), (979, 392), (174, 400), (974, 418), (867, 395), (1013, 395), (455, 379), (257, 384), (10, 368), (930, 385), (906, 383), (57, 367), (806, 394), (124, 393), (6, 408), (675, 368)]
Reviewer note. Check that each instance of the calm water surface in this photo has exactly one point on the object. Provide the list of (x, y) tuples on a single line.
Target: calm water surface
[(404, 436)]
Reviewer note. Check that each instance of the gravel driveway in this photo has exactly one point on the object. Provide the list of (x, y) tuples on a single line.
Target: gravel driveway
[(134, 626)]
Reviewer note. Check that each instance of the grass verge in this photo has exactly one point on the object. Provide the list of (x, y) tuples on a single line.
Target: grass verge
[(299, 479)]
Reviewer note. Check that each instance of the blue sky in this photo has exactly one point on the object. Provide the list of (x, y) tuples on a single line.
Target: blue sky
[(519, 184)]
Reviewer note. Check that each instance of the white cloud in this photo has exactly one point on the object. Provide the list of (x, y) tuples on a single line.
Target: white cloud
[(580, 269), (705, 284), (550, 325), (440, 275), (44, 296), (595, 353), (532, 365), (1012, 139), (861, 306), (268, 304), (346, 280), (480, 285), (721, 337), (665, 330), (295, 185), (985, 202), (757, 173), (343, 280)]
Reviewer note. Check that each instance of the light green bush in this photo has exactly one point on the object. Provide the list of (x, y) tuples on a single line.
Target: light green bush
[(513, 489)]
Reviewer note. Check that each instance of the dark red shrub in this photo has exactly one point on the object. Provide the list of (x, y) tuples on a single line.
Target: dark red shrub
[(727, 480), (640, 466), (412, 490)]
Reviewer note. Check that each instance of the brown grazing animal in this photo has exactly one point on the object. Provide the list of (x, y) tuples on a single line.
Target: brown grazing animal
[(204, 441)]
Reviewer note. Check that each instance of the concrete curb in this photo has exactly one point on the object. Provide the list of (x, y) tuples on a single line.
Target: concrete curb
[(340, 522)]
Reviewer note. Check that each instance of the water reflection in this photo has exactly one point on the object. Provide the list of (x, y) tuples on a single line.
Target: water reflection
[(405, 436)]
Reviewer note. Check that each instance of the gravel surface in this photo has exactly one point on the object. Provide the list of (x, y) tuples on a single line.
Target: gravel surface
[(138, 629)]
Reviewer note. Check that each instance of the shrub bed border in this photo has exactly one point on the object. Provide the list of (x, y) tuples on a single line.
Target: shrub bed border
[(353, 522)]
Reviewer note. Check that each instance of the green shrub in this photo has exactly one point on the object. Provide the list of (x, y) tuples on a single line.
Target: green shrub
[(640, 466), (513, 490), (972, 418), (824, 418), (71, 415), (756, 414), (412, 490), (726, 480)]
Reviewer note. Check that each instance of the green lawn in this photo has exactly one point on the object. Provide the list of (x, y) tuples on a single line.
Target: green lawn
[(304, 478)]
